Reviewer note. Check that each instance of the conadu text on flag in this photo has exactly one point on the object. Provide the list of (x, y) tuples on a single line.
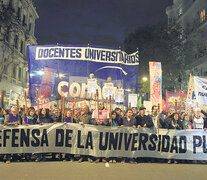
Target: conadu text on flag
[(100, 141), (68, 66)]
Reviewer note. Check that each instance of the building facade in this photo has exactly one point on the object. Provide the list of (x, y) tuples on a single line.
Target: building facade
[(17, 26), (191, 15)]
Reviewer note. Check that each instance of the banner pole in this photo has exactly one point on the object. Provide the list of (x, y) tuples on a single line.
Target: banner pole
[(124, 103), (25, 99), (110, 110), (18, 111), (176, 104), (107, 103), (158, 120), (97, 101), (61, 102), (38, 109)]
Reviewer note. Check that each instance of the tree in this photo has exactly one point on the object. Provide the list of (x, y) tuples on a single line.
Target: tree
[(167, 45)]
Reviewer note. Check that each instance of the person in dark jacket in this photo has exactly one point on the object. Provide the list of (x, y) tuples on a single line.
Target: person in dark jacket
[(172, 122), (56, 115), (43, 118), (84, 118), (119, 116), (31, 118), (205, 119), (12, 119), (142, 120), (129, 121)]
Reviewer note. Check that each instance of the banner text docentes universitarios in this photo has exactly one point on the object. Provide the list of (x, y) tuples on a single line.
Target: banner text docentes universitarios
[(102, 141), (69, 66)]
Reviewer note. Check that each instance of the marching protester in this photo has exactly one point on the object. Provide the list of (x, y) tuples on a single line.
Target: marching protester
[(157, 116), (12, 119), (56, 115), (129, 121), (142, 120), (100, 117), (172, 121), (85, 118), (68, 116), (115, 123), (1, 117), (119, 116), (198, 121), (43, 118), (68, 119), (31, 118)]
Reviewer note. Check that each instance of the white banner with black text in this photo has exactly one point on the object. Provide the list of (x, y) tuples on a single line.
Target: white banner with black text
[(101, 141)]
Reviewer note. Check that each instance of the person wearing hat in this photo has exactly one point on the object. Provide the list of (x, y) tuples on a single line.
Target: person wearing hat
[(142, 120)]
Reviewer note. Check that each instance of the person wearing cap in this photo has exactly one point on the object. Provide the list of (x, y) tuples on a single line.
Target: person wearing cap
[(142, 120)]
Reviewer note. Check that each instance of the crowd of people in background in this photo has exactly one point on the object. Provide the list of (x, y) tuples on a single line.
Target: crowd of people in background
[(195, 119)]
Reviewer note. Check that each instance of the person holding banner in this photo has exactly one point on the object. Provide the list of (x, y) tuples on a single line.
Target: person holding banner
[(100, 117), (85, 118), (119, 116), (142, 120), (12, 119), (155, 117), (56, 115), (172, 122), (68, 117), (43, 118), (129, 121), (198, 121), (186, 122), (114, 122), (32, 117), (1, 117)]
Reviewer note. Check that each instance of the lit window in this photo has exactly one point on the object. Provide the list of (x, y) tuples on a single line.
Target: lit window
[(203, 15)]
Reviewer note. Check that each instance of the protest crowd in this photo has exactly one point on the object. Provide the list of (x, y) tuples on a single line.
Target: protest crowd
[(102, 116)]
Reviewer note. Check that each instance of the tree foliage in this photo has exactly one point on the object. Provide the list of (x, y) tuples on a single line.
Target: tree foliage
[(170, 46)]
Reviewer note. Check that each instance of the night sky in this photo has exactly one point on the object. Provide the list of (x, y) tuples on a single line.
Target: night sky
[(97, 22)]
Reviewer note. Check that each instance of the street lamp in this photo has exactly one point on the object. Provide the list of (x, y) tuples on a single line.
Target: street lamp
[(144, 79)]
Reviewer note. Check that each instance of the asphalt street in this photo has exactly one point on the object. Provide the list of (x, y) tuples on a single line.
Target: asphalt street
[(107, 171)]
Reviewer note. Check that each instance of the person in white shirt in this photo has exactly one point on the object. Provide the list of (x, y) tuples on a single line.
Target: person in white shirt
[(198, 121)]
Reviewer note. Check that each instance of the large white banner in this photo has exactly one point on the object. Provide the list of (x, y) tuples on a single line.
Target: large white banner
[(200, 85), (103, 141)]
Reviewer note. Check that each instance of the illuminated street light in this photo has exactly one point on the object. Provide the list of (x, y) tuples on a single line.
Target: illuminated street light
[(40, 73), (144, 79), (61, 75)]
